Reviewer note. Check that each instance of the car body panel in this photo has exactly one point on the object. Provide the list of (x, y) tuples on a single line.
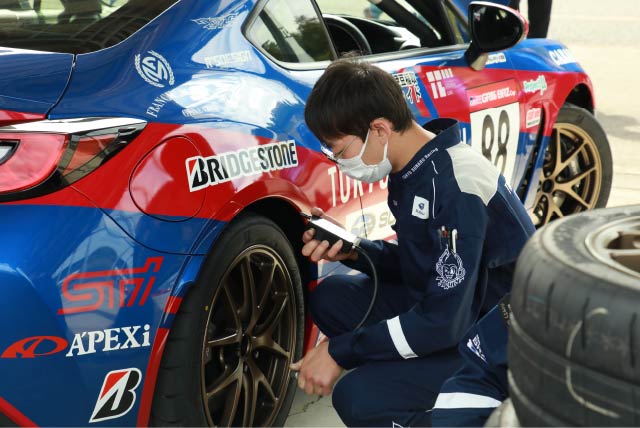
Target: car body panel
[(43, 78), (81, 260)]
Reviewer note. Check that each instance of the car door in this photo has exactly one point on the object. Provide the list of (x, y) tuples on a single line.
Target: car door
[(438, 82)]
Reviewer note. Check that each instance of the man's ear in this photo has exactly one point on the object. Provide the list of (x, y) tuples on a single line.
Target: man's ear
[(382, 129)]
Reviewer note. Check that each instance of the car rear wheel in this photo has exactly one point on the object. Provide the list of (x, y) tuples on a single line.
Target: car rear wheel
[(236, 333), (577, 169)]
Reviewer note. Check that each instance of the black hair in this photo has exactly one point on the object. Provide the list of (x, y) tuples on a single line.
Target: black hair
[(349, 95)]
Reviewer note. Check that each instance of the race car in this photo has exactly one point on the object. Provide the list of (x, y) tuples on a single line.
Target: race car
[(154, 161)]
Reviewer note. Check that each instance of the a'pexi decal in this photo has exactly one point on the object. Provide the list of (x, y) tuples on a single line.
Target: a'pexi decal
[(209, 171)]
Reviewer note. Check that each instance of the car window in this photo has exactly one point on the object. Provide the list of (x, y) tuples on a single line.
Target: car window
[(402, 27), (290, 31), (73, 26)]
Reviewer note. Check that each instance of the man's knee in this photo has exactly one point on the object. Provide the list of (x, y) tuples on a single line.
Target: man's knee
[(349, 400), (331, 304)]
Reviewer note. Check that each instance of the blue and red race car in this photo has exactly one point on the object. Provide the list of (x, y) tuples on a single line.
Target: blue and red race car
[(154, 161)]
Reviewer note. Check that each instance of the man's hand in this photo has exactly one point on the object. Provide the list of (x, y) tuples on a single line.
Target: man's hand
[(318, 250), (318, 371)]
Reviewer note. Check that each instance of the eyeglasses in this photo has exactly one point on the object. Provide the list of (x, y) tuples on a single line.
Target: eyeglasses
[(329, 153)]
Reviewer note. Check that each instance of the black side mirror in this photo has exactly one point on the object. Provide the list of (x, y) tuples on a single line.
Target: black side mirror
[(493, 28)]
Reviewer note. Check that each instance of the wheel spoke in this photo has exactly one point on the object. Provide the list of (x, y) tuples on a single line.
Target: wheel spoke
[(226, 379), (223, 341), (266, 342), (234, 311), (552, 208), (577, 178), (268, 285), (231, 404), (260, 379), (578, 148), (567, 190), (250, 400), (268, 327), (248, 288)]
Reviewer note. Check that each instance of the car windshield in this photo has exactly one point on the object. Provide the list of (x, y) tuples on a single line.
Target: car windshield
[(73, 26)]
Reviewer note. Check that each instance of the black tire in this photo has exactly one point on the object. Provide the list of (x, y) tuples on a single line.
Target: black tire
[(503, 416), (582, 184), (247, 304), (574, 348)]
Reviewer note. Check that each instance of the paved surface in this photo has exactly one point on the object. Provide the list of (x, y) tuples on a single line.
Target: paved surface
[(605, 38)]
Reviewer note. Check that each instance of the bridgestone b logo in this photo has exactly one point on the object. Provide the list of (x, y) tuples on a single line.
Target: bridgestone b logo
[(117, 394), (213, 170)]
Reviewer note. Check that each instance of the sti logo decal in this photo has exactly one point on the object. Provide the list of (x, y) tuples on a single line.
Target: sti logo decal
[(117, 394), (88, 291)]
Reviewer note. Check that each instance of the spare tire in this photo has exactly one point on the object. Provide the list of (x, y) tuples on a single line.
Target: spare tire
[(574, 351)]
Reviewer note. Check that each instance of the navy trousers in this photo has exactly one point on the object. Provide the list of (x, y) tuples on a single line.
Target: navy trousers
[(470, 396), (384, 393)]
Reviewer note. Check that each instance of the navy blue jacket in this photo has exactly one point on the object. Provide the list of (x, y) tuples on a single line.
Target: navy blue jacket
[(460, 228)]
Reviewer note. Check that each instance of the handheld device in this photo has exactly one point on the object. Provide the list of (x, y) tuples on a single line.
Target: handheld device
[(326, 230), (330, 232)]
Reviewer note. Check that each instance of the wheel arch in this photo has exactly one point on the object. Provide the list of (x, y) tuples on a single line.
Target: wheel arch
[(581, 96)]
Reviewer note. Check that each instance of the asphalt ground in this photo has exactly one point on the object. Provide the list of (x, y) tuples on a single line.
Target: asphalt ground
[(605, 39)]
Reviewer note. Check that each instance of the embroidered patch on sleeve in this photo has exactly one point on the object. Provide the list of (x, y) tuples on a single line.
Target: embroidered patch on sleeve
[(420, 208), (474, 346), (450, 270)]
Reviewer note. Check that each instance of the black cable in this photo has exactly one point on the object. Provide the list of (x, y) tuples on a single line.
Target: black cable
[(375, 286)]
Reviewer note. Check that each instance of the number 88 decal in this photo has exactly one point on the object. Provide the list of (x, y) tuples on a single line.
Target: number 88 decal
[(489, 140), (495, 133)]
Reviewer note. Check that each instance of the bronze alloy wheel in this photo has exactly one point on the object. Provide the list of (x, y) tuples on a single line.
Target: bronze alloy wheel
[(572, 174), (249, 341)]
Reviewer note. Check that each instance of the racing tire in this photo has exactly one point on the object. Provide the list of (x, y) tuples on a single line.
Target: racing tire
[(577, 168), (227, 357), (574, 345)]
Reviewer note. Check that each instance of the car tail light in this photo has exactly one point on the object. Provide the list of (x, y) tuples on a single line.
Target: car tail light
[(40, 157)]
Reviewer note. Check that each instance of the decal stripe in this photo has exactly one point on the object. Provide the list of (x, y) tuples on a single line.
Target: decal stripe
[(151, 375), (400, 342), (15, 415), (463, 400), (173, 305)]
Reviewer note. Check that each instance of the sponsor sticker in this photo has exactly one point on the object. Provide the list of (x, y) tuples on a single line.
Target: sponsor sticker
[(420, 208), (409, 84), (228, 60), (117, 395), (90, 291), (216, 23), (533, 117), (437, 81), (496, 58), (154, 69), (492, 95), (83, 343), (562, 56), (537, 85), (213, 170)]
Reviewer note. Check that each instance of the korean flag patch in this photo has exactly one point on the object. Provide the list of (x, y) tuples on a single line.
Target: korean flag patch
[(420, 208)]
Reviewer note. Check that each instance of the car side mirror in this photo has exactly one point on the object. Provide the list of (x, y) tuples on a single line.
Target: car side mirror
[(493, 28)]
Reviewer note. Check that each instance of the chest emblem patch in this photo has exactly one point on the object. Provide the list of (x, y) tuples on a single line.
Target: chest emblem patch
[(420, 208), (450, 270)]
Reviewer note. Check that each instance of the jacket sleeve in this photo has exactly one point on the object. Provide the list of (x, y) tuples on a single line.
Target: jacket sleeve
[(445, 311), (383, 255)]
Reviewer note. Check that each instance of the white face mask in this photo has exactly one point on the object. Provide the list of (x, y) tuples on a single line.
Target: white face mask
[(356, 168)]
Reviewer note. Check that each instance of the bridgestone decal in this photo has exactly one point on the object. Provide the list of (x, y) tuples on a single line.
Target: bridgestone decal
[(213, 170)]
